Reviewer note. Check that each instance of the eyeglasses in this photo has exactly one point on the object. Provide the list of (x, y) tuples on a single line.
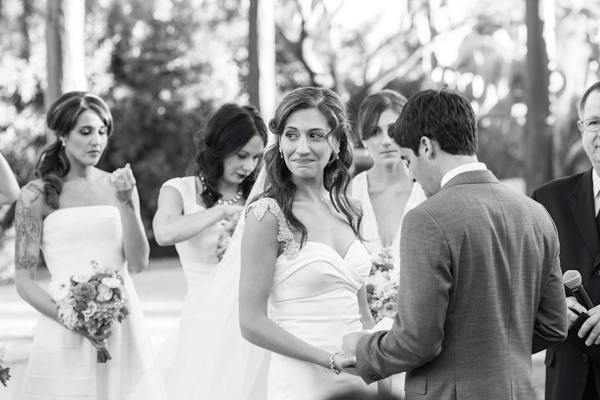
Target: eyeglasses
[(592, 125)]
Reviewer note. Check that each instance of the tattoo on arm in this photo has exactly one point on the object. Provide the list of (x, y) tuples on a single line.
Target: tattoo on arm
[(27, 228)]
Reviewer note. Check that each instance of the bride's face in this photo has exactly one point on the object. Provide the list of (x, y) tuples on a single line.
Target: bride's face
[(86, 142), (305, 145)]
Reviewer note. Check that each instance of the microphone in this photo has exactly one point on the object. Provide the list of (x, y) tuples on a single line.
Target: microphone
[(572, 280)]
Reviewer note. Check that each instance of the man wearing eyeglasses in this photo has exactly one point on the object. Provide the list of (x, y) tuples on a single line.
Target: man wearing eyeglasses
[(573, 202)]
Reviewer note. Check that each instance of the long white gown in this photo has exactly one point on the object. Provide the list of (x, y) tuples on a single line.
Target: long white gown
[(62, 365), (198, 254), (314, 296)]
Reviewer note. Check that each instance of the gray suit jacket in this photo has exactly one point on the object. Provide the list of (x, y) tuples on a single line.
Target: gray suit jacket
[(480, 291)]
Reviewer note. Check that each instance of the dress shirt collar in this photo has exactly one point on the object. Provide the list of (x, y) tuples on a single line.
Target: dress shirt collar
[(596, 188), (476, 166)]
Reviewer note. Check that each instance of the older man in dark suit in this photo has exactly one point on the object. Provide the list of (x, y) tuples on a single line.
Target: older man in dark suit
[(573, 203), (480, 280)]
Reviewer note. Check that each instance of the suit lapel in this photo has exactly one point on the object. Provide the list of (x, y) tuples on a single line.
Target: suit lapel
[(583, 213)]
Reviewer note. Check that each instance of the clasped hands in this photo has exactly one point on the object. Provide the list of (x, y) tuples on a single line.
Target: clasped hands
[(591, 325), (347, 362)]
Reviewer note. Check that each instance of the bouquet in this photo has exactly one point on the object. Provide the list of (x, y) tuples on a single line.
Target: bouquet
[(93, 302), (382, 285), (4, 375), (228, 226)]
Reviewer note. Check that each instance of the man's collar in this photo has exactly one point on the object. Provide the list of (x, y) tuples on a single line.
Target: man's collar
[(475, 166)]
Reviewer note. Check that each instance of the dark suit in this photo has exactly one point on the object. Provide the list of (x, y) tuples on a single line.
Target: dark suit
[(570, 202), (480, 290)]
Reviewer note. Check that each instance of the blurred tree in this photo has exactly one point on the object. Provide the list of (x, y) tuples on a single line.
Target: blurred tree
[(538, 139), (65, 20), (261, 56)]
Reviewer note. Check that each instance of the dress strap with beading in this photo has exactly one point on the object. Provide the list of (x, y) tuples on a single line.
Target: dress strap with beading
[(284, 233)]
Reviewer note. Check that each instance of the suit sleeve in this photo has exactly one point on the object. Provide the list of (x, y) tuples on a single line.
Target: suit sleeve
[(551, 319), (425, 284)]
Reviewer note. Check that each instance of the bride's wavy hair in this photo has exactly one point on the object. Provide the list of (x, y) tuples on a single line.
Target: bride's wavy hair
[(227, 131), (336, 175), (61, 118)]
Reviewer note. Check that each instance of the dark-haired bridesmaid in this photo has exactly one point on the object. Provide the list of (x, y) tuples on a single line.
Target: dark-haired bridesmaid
[(192, 209), (76, 214)]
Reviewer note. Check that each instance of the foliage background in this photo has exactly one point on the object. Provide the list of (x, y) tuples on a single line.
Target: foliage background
[(164, 66)]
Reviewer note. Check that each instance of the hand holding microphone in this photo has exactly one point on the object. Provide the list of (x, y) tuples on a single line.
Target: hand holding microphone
[(590, 329), (572, 280)]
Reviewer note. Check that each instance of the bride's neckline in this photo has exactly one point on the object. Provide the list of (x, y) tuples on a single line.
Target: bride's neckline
[(348, 250)]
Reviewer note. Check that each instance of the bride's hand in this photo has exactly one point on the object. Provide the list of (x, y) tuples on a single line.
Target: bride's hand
[(345, 364), (123, 182), (98, 340)]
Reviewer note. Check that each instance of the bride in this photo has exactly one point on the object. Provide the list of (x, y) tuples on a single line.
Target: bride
[(300, 287)]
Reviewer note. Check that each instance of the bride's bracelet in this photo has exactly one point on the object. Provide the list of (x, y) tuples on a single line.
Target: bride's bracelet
[(333, 368)]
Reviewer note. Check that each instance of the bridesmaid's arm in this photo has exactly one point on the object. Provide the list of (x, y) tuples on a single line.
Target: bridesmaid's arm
[(135, 242), (9, 189), (258, 254), (171, 226), (28, 234), (366, 318)]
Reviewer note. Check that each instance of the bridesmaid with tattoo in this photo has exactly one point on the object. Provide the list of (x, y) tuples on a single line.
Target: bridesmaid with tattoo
[(9, 188), (75, 213)]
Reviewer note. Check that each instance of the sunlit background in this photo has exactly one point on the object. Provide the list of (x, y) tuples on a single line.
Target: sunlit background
[(164, 65)]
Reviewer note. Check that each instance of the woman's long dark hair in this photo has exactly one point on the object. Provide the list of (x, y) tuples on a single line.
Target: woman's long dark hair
[(61, 118), (227, 131), (336, 175)]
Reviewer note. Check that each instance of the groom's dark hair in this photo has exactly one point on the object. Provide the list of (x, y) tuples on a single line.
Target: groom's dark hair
[(441, 115)]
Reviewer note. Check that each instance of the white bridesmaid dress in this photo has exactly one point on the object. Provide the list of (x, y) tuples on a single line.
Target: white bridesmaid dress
[(62, 365)]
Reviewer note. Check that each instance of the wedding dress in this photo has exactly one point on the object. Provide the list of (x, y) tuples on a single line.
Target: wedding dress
[(62, 365), (313, 296), (198, 254), (360, 191)]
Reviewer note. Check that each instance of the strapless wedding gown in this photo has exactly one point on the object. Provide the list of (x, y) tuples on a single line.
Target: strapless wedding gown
[(62, 365), (314, 297)]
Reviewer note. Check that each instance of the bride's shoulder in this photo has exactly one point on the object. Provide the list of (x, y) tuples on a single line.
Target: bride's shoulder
[(260, 207)]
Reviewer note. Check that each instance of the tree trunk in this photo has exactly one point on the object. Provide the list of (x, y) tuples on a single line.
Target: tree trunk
[(253, 68), (538, 139), (65, 48)]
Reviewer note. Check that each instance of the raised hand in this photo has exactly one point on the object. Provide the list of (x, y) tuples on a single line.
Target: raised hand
[(123, 182)]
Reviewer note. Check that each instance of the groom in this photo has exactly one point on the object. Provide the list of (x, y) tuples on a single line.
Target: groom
[(480, 279)]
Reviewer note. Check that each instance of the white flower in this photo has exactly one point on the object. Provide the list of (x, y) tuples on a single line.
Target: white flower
[(112, 283), (81, 278), (104, 293), (89, 312)]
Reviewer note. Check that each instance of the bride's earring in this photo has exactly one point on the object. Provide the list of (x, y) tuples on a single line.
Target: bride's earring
[(337, 153), (280, 152)]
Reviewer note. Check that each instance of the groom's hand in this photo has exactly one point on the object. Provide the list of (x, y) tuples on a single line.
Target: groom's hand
[(347, 364), (351, 341)]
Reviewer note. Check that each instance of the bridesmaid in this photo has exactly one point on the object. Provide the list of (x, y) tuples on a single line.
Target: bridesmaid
[(387, 182), (386, 190), (191, 208), (9, 188), (75, 213)]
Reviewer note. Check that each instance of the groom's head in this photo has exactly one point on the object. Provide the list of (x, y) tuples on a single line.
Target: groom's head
[(433, 127)]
